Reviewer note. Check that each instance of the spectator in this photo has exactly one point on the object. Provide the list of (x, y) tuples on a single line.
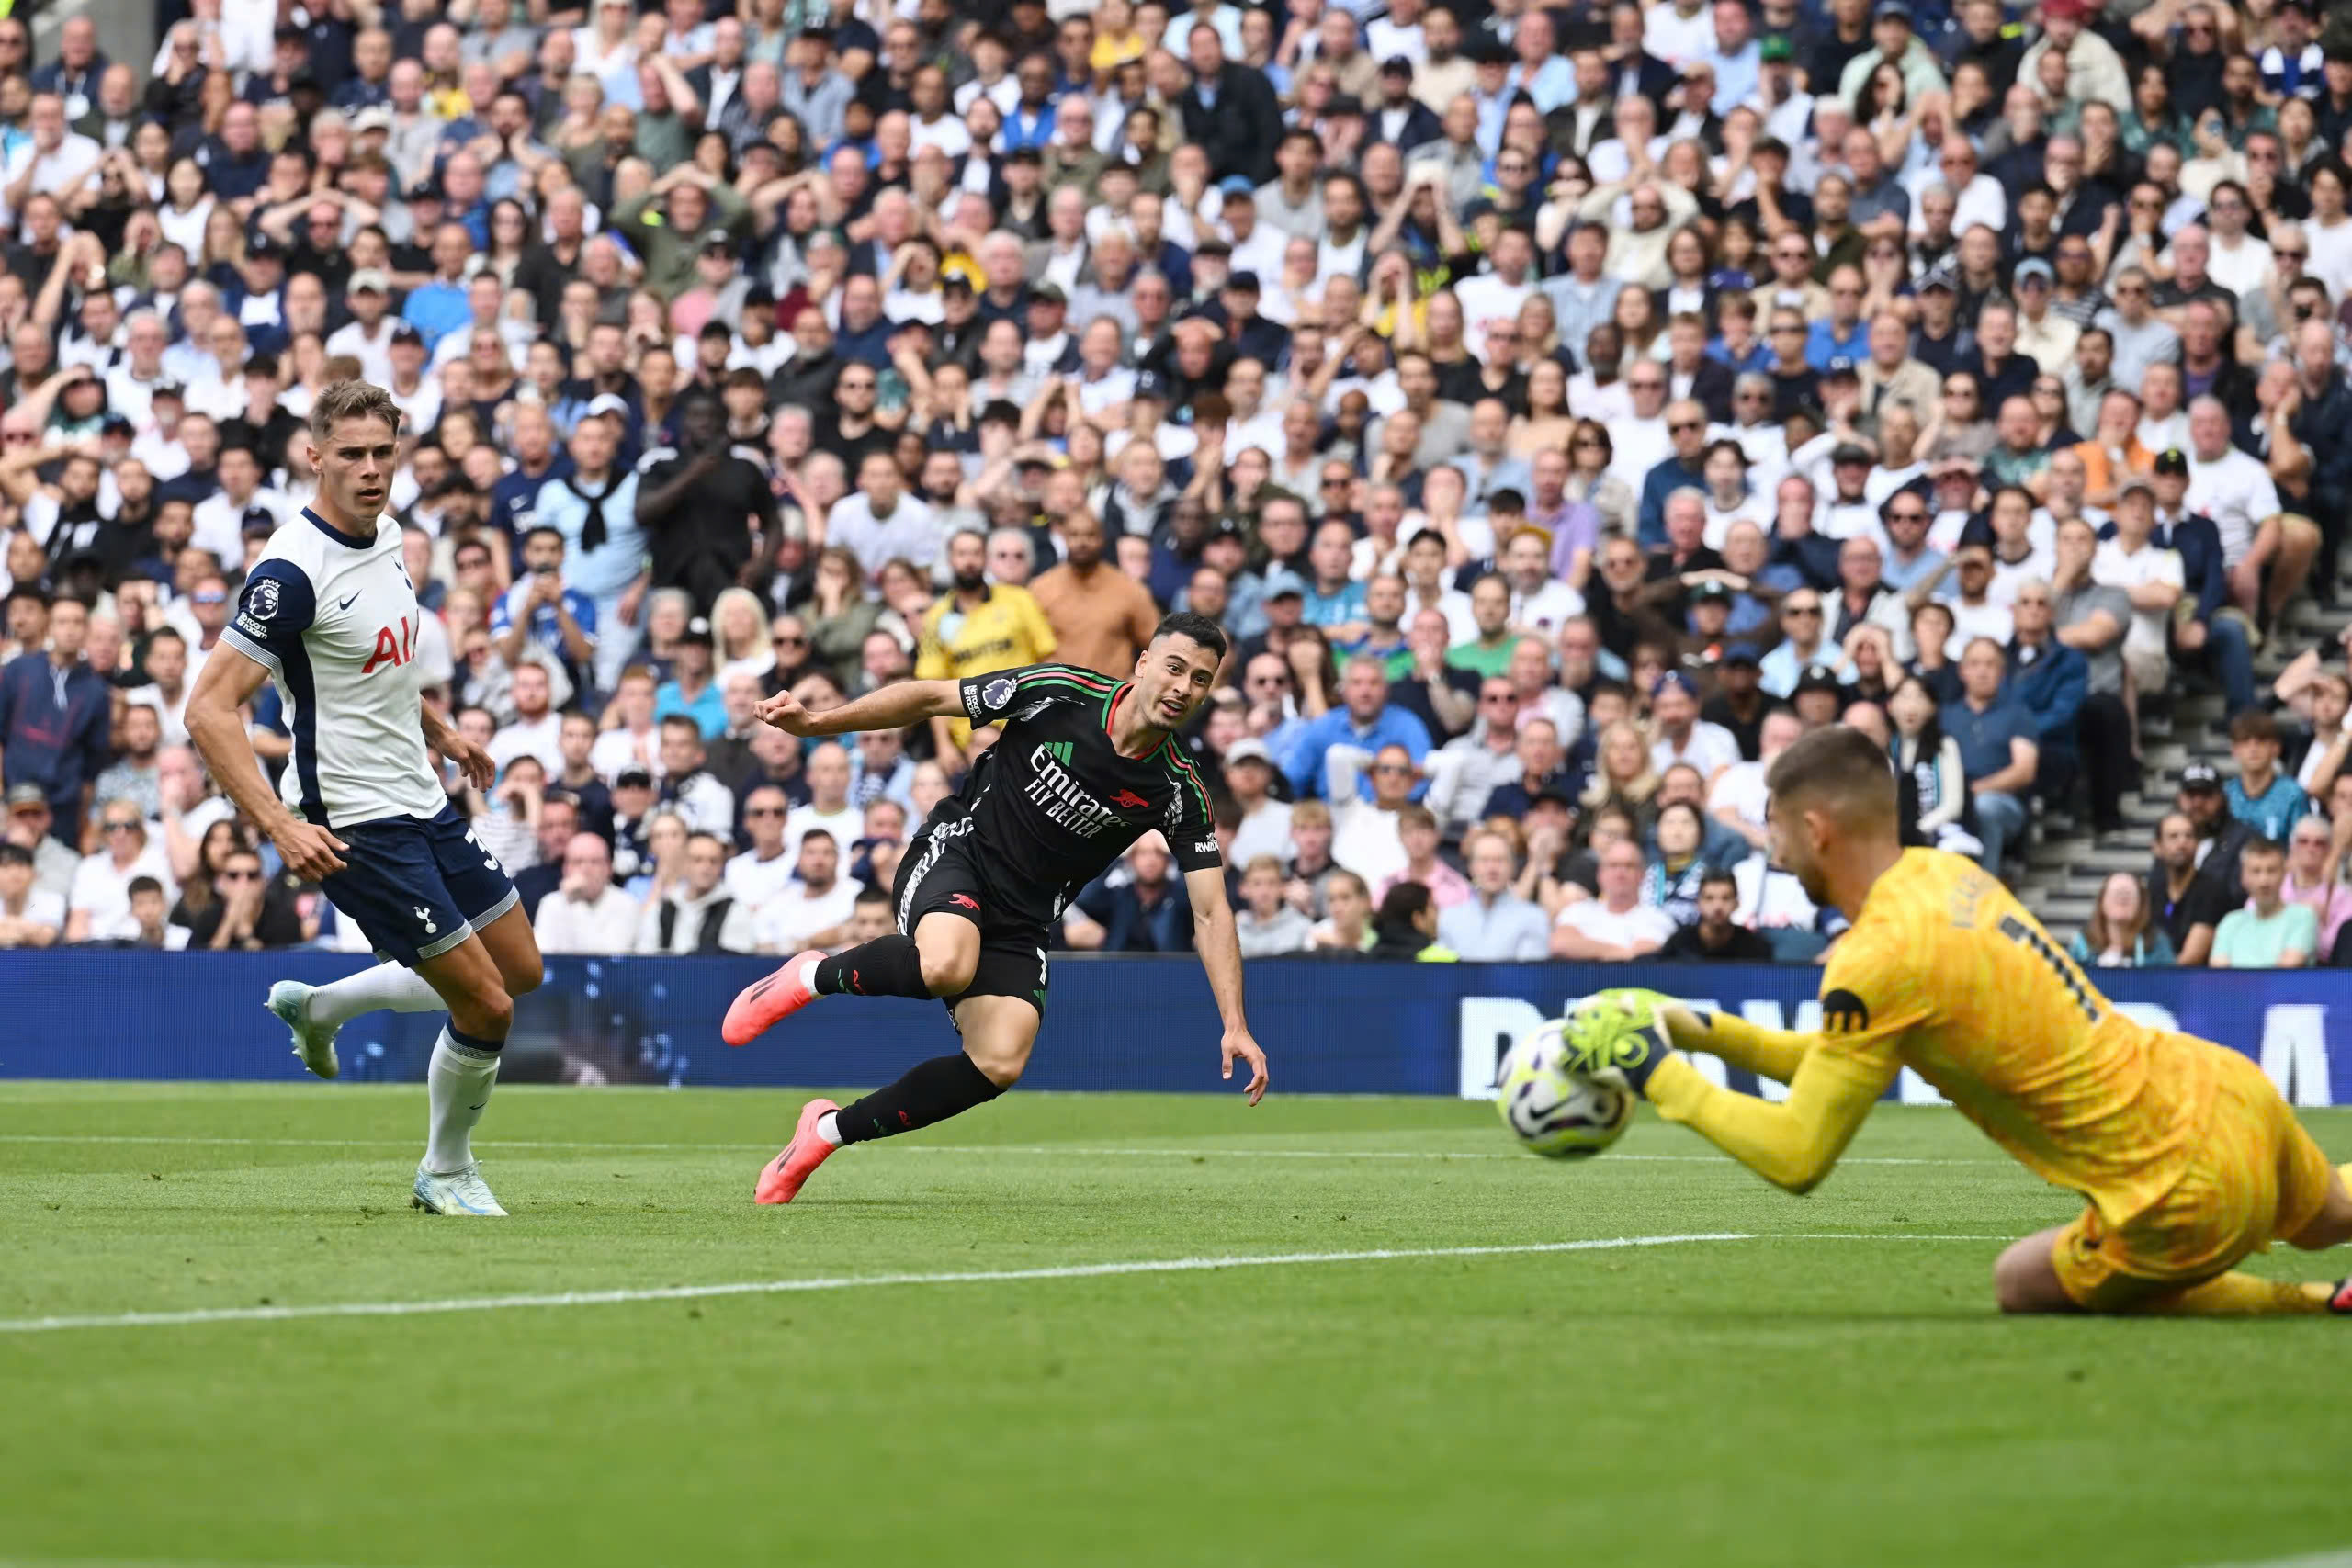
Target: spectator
[(1682, 735), (1998, 752), (2315, 879), (696, 913), (690, 690), (1464, 773), (150, 928), (828, 805), (1670, 883), (1100, 618), (2150, 576), (2122, 933), (2213, 625), (764, 870), (1138, 906), (31, 916), (99, 909), (134, 776), (1615, 927), (1493, 924), (1365, 723), (1269, 925), (2267, 933), (1936, 791), (1347, 927), (814, 908), (978, 627), (1309, 859), (1712, 935), (2264, 799), (557, 819), (27, 826), (1406, 927), (587, 912), (706, 805), (2051, 681), (535, 730), (54, 716), (542, 612), (2220, 836), (252, 912), (1417, 829)]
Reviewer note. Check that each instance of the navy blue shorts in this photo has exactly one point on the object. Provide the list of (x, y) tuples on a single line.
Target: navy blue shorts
[(418, 888)]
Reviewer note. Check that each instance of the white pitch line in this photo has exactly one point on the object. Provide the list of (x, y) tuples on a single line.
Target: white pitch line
[(494, 1145), (2315, 1559), (871, 1281)]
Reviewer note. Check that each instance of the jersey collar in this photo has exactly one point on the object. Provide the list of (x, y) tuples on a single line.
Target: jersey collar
[(1110, 706), (348, 541)]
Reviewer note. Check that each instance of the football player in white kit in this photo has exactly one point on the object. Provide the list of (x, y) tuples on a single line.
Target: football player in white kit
[(331, 616)]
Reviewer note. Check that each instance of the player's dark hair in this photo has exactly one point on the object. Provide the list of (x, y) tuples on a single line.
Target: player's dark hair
[(1835, 764), (1200, 628)]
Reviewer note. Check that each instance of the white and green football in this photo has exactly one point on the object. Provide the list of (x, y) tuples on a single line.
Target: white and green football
[(1553, 1111)]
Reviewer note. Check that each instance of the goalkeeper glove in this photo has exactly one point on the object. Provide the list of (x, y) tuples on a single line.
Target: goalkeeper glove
[(1623, 1032)]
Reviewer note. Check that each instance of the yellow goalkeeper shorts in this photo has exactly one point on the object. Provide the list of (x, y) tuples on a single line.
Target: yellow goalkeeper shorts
[(2257, 1176)]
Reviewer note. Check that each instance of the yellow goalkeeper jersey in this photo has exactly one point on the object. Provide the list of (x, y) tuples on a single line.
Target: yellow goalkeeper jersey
[(1946, 972)]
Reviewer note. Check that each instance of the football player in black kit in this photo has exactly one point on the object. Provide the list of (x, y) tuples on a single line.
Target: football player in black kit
[(1084, 767)]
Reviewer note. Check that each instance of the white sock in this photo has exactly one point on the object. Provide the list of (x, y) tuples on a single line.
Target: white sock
[(808, 976), (385, 986), (458, 1082), (828, 1127)]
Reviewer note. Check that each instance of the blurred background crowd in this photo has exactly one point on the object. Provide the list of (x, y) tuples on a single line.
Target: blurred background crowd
[(1562, 407)]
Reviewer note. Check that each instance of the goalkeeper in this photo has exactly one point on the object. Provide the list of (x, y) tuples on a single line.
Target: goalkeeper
[(2188, 1156)]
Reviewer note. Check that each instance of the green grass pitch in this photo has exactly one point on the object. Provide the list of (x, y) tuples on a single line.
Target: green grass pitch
[(1832, 1390)]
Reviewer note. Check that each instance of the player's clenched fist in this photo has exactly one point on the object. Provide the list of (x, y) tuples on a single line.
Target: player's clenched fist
[(784, 711)]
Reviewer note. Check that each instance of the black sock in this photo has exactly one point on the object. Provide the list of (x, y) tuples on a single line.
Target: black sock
[(930, 1092), (887, 966)]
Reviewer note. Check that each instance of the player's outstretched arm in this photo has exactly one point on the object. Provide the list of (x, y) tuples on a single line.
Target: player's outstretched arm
[(229, 681), (895, 707), (1775, 1053), (1219, 945), (1793, 1145)]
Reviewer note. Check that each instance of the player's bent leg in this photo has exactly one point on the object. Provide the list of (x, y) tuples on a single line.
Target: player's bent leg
[(460, 1076), (998, 1034), (2024, 1276), (938, 961), (2332, 1226), (514, 947), (948, 947)]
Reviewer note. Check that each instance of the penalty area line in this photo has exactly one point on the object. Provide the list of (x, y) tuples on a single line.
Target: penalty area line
[(873, 1282)]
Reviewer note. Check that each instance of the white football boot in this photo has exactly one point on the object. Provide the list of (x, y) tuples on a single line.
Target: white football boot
[(458, 1192), (315, 1042)]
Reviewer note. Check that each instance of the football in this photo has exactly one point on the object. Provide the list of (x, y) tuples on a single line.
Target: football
[(1552, 1111)]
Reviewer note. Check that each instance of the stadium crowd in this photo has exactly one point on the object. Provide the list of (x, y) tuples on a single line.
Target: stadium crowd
[(1563, 409)]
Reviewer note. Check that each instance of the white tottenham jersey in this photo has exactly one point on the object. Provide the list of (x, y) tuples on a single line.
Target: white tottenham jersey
[(336, 625)]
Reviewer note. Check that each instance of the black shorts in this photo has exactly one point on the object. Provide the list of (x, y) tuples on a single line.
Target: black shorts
[(939, 875)]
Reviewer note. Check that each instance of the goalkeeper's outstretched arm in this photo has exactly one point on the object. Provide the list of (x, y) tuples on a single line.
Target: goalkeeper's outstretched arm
[(1769, 1053), (1794, 1144)]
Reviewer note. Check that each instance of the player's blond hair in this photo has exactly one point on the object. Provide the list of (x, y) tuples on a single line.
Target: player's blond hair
[(340, 401), (1836, 767)]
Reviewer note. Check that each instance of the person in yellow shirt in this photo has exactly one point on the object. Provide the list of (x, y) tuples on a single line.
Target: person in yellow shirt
[(2187, 1155), (977, 627)]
